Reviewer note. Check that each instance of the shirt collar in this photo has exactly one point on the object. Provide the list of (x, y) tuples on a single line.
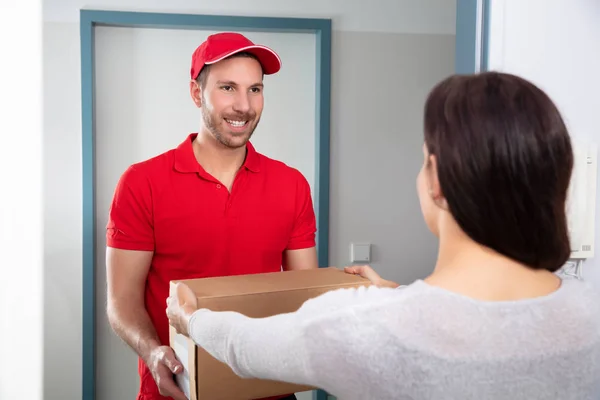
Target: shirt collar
[(252, 161), (185, 160)]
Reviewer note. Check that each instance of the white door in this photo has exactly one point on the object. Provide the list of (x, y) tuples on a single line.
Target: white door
[(143, 108)]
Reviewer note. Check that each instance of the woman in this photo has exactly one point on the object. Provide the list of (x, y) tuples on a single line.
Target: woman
[(492, 321)]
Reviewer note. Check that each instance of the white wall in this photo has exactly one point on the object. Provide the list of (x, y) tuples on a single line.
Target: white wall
[(556, 45), (416, 51), (21, 225), (389, 16)]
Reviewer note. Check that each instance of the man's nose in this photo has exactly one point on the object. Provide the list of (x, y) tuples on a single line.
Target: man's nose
[(242, 103)]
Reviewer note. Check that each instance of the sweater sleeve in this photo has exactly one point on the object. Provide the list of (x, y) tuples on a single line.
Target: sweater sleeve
[(283, 347), (265, 348)]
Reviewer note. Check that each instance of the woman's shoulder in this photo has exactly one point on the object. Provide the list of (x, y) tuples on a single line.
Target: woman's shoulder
[(576, 292)]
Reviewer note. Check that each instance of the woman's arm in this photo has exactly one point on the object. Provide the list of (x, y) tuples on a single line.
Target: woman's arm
[(266, 348), (279, 347)]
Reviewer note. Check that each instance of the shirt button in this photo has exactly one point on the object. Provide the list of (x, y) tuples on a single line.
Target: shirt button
[(218, 186)]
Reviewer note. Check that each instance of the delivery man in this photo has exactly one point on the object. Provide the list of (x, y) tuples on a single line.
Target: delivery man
[(213, 206)]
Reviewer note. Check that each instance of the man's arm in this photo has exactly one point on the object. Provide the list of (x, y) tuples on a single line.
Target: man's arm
[(130, 248), (126, 272), (301, 251), (300, 259)]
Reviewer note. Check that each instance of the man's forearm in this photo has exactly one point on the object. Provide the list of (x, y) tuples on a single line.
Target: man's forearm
[(133, 325)]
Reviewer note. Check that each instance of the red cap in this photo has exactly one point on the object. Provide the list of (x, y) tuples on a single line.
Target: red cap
[(222, 45)]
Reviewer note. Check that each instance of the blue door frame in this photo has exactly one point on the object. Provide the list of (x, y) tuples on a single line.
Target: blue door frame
[(471, 30), (472, 36)]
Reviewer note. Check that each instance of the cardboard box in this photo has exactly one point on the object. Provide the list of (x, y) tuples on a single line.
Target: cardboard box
[(257, 296)]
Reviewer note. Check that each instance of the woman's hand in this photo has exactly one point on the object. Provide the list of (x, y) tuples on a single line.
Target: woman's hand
[(369, 273), (181, 304)]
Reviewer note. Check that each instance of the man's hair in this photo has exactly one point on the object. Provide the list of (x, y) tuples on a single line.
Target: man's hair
[(504, 162), (203, 75)]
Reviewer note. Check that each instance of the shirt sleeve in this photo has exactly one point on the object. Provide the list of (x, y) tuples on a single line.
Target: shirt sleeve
[(305, 225), (130, 219)]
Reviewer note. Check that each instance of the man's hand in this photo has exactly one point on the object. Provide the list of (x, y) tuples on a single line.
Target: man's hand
[(163, 364), (369, 273)]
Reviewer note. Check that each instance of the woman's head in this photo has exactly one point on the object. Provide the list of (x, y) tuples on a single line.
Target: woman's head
[(498, 159)]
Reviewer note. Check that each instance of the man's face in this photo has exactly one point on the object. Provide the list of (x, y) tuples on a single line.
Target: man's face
[(232, 100)]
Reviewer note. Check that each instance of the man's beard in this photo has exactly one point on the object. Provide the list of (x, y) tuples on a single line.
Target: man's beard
[(212, 121)]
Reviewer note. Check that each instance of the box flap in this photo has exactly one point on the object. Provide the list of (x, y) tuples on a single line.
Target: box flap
[(283, 281)]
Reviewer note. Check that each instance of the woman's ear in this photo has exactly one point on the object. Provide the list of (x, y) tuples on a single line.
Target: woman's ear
[(435, 190), (196, 93)]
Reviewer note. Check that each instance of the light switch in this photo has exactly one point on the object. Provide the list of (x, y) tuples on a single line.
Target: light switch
[(360, 253)]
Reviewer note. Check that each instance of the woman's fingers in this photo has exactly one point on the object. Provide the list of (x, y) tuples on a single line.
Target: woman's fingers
[(186, 295), (364, 271)]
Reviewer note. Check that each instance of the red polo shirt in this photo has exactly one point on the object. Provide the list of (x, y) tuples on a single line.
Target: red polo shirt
[(170, 205)]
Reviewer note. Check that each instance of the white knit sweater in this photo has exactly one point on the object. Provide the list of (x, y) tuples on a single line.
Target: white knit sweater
[(420, 342)]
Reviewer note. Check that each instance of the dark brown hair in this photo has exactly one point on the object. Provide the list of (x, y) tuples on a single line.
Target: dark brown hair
[(203, 75), (504, 161)]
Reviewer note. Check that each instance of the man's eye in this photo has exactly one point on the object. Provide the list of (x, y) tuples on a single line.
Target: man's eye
[(255, 90), (226, 88)]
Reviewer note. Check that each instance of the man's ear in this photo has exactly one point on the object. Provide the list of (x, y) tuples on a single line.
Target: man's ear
[(196, 93)]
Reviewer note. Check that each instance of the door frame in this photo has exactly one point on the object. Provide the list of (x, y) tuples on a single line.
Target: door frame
[(472, 36), (89, 19)]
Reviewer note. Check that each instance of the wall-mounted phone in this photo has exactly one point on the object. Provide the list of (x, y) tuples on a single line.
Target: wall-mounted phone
[(581, 202)]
